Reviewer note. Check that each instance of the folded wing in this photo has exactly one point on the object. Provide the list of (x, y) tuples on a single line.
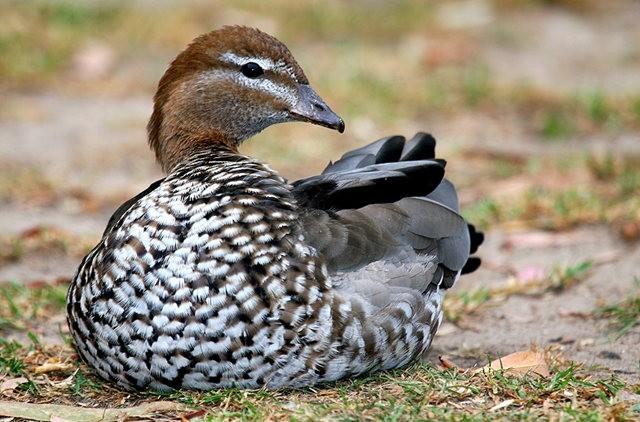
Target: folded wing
[(384, 212)]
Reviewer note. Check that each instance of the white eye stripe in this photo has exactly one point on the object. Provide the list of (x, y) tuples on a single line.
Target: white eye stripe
[(265, 63), (282, 92), (279, 91), (229, 57)]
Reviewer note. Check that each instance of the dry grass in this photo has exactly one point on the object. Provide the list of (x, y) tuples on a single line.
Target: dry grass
[(52, 374), (435, 70), (625, 315), (21, 184), (42, 240), (560, 193), (465, 304)]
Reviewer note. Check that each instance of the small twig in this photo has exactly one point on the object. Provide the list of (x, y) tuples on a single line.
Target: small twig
[(448, 364), (192, 415)]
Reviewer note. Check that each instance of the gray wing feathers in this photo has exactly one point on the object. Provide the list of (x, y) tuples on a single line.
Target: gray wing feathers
[(384, 150), (348, 240), (355, 238), (350, 163), (410, 243), (446, 195)]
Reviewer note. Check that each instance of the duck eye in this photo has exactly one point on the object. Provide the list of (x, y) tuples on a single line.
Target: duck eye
[(251, 70)]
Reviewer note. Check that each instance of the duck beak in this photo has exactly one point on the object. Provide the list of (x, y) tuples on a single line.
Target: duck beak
[(311, 108)]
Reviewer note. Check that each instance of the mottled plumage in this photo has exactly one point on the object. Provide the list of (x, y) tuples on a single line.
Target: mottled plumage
[(223, 274)]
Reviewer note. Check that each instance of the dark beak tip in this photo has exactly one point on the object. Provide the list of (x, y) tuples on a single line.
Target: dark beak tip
[(311, 108)]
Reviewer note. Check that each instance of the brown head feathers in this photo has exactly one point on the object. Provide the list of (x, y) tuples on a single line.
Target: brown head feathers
[(225, 87)]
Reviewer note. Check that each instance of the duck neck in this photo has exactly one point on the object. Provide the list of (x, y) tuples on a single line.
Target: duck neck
[(183, 146)]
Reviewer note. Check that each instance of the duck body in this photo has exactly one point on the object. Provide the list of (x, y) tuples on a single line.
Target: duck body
[(223, 274)]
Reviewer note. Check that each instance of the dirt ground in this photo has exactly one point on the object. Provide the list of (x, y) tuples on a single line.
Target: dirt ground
[(69, 157), (553, 318)]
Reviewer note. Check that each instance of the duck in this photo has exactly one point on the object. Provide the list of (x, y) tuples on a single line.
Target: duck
[(224, 274)]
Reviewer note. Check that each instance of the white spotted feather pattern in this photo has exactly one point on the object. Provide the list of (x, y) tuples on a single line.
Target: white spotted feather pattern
[(215, 277)]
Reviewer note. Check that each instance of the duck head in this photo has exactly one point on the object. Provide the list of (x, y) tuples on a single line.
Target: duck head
[(225, 87)]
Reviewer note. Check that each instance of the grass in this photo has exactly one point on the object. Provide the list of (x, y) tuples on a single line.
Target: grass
[(565, 277), (22, 183), (9, 362), (556, 125), (25, 307), (635, 108), (52, 373), (458, 306), (345, 20), (344, 41), (38, 39), (598, 108), (43, 240), (624, 316), (476, 85), (545, 208), (607, 192), (420, 390)]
